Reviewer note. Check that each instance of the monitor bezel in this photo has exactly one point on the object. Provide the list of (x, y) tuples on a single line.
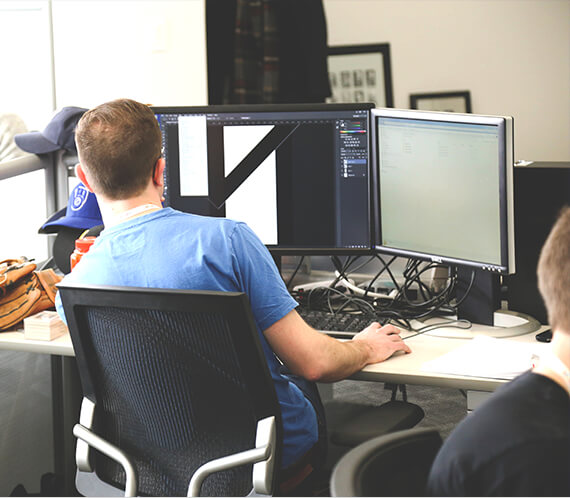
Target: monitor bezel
[(300, 107), (506, 166)]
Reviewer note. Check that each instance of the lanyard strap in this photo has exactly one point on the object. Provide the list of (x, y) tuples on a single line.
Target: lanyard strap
[(133, 212)]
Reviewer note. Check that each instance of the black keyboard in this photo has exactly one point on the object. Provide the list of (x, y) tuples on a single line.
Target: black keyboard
[(344, 325)]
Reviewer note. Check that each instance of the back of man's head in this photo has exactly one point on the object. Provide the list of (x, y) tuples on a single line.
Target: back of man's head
[(118, 144), (554, 271)]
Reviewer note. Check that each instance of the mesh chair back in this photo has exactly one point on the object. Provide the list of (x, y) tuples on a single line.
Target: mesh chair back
[(178, 378)]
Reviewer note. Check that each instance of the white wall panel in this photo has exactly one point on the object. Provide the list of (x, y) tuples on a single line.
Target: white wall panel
[(153, 51), (513, 55), (26, 76)]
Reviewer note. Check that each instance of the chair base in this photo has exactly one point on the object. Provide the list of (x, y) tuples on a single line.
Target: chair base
[(350, 424)]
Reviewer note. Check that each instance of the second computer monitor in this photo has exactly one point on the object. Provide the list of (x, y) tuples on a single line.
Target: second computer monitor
[(298, 175), (445, 187)]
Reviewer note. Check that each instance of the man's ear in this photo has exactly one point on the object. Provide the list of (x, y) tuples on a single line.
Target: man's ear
[(158, 172), (81, 175)]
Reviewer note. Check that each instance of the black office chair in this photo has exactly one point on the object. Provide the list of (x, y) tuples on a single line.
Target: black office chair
[(395, 464), (177, 394)]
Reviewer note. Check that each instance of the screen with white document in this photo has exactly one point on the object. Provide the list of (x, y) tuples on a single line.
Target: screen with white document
[(445, 187), (298, 175)]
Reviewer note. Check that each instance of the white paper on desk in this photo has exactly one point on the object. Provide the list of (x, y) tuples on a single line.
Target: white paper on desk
[(488, 357)]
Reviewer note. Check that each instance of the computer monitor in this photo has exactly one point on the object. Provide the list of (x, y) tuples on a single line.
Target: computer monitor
[(298, 175), (445, 187)]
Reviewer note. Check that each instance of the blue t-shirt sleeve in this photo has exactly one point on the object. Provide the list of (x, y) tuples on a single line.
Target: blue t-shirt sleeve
[(259, 277), (59, 307)]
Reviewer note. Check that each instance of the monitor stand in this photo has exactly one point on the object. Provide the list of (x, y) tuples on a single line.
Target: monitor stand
[(483, 295), (481, 306), (506, 324)]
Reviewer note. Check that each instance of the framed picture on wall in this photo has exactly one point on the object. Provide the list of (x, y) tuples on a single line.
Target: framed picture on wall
[(361, 73), (456, 101)]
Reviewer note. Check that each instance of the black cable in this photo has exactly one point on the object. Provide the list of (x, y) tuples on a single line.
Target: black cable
[(385, 267), (342, 269), (458, 303), (443, 296), (406, 309), (399, 310), (365, 263), (290, 281)]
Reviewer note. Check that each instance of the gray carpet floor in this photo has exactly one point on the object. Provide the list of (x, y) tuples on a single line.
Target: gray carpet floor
[(26, 441)]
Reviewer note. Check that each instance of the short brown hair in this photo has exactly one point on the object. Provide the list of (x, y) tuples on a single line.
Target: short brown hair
[(119, 143), (554, 273)]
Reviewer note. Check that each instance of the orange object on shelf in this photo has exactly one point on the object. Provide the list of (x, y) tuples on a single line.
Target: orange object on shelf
[(82, 246)]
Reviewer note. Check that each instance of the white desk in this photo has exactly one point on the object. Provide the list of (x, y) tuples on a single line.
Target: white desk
[(407, 368), (400, 368), (15, 341)]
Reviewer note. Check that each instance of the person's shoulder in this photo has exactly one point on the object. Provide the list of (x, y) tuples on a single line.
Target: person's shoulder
[(197, 219), (497, 422), (519, 388), (535, 388), (238, 232), (495, 439)]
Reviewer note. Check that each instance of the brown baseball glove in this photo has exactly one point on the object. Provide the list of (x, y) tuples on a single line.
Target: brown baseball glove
[(24, 291)]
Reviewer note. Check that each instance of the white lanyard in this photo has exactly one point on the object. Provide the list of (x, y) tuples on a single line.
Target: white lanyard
[(133, 212)]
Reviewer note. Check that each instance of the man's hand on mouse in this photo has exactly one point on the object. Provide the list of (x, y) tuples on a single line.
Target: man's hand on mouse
[(383, 341)]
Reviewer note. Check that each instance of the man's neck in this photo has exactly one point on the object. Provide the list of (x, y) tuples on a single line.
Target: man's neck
[(117, 211)]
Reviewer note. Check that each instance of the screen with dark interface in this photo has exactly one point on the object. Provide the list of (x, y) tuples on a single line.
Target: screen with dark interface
[(298, 175)]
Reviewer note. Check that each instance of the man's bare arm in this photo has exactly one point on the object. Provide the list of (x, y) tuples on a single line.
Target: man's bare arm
[(318, 357)]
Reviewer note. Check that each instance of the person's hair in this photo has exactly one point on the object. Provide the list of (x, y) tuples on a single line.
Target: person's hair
[(118, 143), (553, 272)]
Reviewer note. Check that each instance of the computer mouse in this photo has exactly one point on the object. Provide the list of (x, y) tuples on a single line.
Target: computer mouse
[(545, 336)]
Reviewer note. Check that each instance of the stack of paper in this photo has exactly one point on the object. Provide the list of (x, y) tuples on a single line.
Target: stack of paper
[(488, 357), (44, 326)]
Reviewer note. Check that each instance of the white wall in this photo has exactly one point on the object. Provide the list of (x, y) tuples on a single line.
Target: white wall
[(149, 50), (26, 76), (153, 51), (513, 56)]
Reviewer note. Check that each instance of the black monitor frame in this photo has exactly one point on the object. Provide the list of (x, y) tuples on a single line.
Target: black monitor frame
[(220, 192), (504, 125)]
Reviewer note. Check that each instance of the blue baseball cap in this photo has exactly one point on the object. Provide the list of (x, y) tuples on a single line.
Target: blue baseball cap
[(58, 134), (82, 212)]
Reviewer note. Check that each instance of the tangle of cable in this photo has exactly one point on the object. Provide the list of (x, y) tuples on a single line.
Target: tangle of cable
[(402, 308)]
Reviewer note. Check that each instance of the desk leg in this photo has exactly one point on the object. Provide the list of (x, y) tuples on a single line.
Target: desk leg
[(475, 399), (57, 414), (325, 391), (67, 395)]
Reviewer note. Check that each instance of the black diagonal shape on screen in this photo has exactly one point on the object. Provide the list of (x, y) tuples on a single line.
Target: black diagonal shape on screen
[(250, 163)]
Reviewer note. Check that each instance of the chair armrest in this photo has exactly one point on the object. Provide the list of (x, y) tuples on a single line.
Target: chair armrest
[(82, 451), (112, 452), (263, 452)]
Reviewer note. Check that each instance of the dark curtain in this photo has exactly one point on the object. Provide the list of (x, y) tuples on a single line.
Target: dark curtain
[(266, 51)]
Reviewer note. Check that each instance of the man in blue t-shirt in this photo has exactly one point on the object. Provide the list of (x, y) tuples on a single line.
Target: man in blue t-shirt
[(145, 245)]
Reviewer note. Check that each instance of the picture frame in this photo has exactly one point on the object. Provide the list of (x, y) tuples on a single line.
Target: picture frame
[(361, 73), (452, 101)]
